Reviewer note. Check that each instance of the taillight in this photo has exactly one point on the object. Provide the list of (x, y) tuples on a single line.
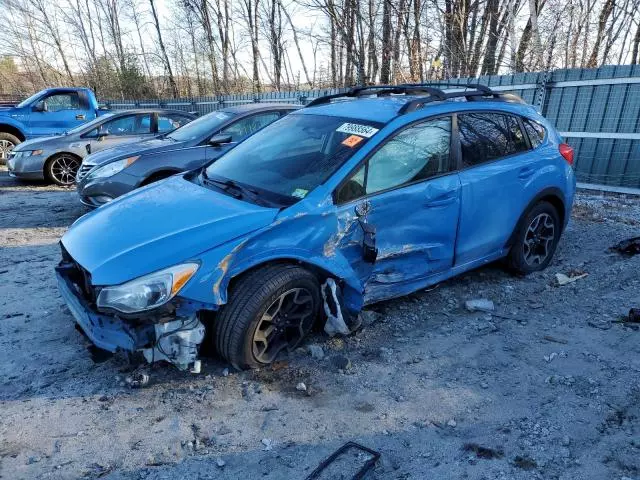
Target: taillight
[(567, 152)]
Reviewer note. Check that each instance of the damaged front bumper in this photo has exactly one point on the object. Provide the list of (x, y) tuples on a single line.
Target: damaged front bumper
[(173, 337)]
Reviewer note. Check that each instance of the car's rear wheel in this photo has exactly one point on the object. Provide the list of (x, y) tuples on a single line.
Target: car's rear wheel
[(62, 169), (536, 240), (7, 143), (269, 310)]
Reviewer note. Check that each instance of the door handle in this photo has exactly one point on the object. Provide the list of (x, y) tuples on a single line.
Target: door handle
[(80, 116), (525, 173), (443, 200)]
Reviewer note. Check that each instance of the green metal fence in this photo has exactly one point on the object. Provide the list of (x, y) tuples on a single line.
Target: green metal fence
[(596, 110)]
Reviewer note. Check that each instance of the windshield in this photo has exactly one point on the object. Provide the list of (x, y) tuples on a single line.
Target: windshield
[(205, 125), (27, 101), (294, 155), (92, 123)]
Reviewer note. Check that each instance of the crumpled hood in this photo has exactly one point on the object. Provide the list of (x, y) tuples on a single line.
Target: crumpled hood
[(158, 226), (153, 145)]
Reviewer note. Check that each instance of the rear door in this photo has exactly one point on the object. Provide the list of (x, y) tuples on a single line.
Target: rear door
[(497, 168), (411, 195), (124, 129)]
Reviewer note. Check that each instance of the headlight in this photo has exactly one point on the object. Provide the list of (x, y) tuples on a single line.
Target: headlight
[(27, 153), (112, 168), (147, 292)]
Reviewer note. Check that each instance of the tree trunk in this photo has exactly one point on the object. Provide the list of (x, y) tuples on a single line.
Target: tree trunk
[(385, 64), (607, 8), (163, 51)]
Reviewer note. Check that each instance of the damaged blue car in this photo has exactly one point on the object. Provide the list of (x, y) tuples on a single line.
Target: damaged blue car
[(359, 197)]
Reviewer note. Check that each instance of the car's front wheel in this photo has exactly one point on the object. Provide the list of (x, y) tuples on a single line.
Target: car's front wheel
[(269, 310), (61, 169), (536, 240)]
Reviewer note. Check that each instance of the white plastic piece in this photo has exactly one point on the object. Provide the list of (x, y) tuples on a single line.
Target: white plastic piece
[(197, 365), (335, 320)]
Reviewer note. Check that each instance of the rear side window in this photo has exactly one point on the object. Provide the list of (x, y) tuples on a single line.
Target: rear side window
[(488, 136), (169, 122), (535, 131)]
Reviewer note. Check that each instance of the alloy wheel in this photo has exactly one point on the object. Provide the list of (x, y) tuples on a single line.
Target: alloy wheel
[(538, 240), (5, 148), (283, 324), (64, 168)]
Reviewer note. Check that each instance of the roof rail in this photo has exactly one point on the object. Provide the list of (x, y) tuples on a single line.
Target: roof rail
[(433, 92)]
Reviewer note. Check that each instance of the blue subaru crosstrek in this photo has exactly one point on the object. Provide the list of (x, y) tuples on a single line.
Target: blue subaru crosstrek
[(360, 197)]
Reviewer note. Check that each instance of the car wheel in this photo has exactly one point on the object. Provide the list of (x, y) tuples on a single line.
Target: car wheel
[(61, 169), (7, 143), (536, 240), (269, 310)]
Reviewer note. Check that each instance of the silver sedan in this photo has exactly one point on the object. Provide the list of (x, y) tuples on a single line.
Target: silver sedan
[(58, 158)]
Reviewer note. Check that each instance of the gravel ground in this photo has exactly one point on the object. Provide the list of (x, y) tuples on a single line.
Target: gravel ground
[(547, 386)]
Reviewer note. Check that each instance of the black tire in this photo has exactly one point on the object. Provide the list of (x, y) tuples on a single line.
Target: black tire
[(62, 168), (7, 143), (248, 303), (532, 252)]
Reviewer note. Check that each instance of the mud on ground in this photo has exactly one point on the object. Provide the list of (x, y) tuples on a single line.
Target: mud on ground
[(545, 387)]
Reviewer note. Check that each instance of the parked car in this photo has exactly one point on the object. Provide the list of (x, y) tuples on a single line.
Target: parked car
[(48, 112), (336, 206), (108, 174), (58, 158)]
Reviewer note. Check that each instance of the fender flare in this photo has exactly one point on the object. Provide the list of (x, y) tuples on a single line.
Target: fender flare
[(8, 125), (556, 198)]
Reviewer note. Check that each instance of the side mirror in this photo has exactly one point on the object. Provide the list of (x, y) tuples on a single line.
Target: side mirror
[(220, 139), (102, 132), (39, 107)]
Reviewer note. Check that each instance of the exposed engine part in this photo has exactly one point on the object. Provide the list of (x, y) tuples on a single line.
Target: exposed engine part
[(177, 342)]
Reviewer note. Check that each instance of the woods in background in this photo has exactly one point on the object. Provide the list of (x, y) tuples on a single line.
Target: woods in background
[(145, 48)]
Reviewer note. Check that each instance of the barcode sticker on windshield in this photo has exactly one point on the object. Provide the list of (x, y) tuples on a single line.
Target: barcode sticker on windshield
[(357, 129)]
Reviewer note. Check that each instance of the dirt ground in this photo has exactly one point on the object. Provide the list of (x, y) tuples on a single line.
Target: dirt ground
[(545, 387)]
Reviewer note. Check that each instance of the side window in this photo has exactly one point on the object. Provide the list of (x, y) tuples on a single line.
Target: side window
[(169, 122), (117, 127), (249, 125), (484, 137), (517, 136), (416, 153), (535, 131), (143, 124), (62, 101)]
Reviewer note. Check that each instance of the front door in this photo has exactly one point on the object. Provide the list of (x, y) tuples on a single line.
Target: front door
[(57, 113), (124, 129), (409, 192)]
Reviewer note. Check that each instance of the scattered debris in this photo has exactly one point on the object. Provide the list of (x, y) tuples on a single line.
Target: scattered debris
[(225, 372), (316, 351), (452, 423), (268, 444), (220, 462), (550, 357), (629, 247), (354, 453), (549, 338), (601, 324), (341, 362), (563, 279), (634, 315), (137, 380), (480, 305), (483, 452), (525, 463), (301, 387)]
